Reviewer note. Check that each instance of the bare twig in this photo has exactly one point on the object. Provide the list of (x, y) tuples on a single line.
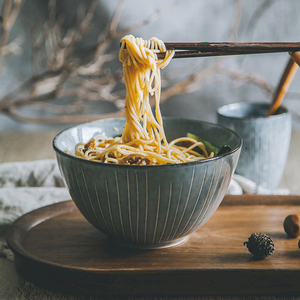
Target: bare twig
[(116, 17), (80, 118), (59, 72), (237, 10), (10, 11), (241, 77), (190, 84), (258, 13)]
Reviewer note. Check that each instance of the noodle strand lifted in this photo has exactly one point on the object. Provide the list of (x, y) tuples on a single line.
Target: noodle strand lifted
[(143, 138)]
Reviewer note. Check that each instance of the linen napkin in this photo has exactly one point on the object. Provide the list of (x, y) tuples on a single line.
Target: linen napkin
[(240, 185), (25, 186)]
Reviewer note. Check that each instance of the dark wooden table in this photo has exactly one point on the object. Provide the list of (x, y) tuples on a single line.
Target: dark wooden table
[(18, 146)]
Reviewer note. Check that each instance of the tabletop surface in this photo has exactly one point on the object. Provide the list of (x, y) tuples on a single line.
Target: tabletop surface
[(20, 146)]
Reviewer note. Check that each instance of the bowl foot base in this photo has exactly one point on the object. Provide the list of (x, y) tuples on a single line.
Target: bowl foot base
[(150, 246)]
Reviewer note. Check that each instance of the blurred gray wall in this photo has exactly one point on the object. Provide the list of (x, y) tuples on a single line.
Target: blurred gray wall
[(189, 20)]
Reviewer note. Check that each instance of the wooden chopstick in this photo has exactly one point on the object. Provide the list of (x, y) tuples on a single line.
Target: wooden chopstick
[(192, 53), (234, 47), (296, 57), (205, 49), (283, 86)]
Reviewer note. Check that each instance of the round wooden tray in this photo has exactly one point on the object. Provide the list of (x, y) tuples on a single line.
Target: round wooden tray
[(55, 247)]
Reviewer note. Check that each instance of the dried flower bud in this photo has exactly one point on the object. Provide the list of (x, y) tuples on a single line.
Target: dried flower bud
[(260, 245), (291, 225)]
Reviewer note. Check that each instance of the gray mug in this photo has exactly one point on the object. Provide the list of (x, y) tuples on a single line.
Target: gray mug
[(266, 140)]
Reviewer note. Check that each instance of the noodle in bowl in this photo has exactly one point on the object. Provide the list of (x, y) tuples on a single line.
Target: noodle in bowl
[(143, 139), (147, 206)]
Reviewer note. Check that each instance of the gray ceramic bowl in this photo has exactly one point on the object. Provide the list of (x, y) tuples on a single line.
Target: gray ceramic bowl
[(147, 206)]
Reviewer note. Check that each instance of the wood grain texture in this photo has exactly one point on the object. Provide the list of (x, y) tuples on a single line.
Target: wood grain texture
[(203, 49), (55, 247), (283, 85), (233, 46)]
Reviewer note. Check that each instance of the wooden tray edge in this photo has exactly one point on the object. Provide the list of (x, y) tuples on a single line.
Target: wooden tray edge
[(18, 229), (177, 282), (249, 199)]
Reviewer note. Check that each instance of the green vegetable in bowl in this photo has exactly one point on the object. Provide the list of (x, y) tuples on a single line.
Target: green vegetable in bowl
[(209, 146), (224, 149)]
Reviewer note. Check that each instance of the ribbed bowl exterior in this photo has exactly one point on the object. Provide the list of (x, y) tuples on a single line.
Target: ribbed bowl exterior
[(266, 140), (148, 205)]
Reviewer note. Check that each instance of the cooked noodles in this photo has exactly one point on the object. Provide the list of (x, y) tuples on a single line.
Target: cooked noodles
[(143, 139)]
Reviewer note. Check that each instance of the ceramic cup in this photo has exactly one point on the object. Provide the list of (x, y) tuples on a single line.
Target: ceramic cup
[(266, 140)]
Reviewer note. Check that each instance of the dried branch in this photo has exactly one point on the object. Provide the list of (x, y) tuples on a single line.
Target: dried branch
[(63, 119), (63, 67), (26, 91), (10, 11), (258, 13), (249, 77), (59, 72), (237, 12), (192, 83), (110, 34), (116, 17)]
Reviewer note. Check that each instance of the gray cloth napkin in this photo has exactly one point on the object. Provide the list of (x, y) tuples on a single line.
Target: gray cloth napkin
[(240, 185), (25, 186)]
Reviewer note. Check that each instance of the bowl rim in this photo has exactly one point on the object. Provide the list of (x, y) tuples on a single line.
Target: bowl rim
[(222, 111), (72, 156)]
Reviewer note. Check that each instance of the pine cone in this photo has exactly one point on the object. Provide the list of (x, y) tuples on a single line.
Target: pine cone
[(260, 245)]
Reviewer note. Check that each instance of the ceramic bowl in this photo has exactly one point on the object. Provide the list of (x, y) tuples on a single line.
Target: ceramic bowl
[(147, 206)]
